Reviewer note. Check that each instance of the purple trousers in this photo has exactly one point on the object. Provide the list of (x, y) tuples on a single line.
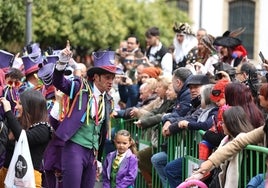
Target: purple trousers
[(78, 166)]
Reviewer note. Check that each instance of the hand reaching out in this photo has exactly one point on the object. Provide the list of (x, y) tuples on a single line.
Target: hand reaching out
[(165, 129), (183, 124), (5, 103)]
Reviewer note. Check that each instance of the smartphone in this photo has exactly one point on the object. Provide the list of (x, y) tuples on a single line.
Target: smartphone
[(262, 57)]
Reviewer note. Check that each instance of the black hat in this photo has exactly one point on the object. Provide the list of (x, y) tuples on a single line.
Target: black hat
[(198, 79), (230, 42)]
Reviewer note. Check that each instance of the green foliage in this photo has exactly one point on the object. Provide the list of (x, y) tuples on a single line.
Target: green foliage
[(88, 24)]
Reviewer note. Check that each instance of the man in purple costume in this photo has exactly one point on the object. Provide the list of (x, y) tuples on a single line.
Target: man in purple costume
[(83, 131)]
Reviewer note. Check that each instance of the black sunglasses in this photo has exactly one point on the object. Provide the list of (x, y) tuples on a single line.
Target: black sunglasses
[(216, 92)]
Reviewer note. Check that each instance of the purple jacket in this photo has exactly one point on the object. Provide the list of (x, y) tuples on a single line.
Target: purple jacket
[(127, 171), (71, 124)]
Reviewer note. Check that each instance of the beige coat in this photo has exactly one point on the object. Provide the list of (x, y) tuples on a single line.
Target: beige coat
[(240, 142)]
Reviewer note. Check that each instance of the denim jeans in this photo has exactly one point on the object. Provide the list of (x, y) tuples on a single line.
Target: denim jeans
[(173, 172), (159, 161)]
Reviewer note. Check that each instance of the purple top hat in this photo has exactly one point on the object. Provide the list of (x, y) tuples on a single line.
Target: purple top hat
[(103, 62), (29, 65), (32, 59), (5, 59)]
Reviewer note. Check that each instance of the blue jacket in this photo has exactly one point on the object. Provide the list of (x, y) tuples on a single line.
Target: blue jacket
[(182, 105)]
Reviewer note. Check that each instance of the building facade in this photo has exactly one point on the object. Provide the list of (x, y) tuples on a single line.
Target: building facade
[(218, 16)]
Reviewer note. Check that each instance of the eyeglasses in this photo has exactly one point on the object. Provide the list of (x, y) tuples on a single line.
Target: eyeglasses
[(14, 83), (216, 92), (128, 61), (237, 73)]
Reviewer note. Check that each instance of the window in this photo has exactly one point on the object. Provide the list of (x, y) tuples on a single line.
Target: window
[(242, 14)]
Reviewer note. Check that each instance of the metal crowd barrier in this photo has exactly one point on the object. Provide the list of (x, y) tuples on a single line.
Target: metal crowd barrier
[(185, 144)]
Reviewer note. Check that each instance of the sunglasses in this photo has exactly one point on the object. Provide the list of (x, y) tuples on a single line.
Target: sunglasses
[(216, 93), (128, 61), (14, 83)]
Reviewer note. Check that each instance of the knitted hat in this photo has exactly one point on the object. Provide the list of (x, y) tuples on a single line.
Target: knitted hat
[(152, 72), (198, 79), (218, 90)]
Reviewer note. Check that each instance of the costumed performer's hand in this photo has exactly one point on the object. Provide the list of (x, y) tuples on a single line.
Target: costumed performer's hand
[(64, 57), (73, 63), (6, 104)]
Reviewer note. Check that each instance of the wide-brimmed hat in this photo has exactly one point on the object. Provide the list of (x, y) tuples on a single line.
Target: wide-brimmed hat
[(230, 42), (184, 28), (6, 59), (207, 41), (32, 58), (103, 63)]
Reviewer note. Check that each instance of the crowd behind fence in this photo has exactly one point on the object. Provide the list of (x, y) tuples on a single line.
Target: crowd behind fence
[(185, 144)]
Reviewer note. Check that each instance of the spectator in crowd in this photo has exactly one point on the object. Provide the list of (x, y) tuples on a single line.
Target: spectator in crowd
[(247, 73), (230, 47), (190, 120), (242, 140), (147, 95), (133, 46), (227, 175), (184, 41), (157, 53), (13, 79), (128, 86), (149, 123), (174, 169), (32, 116)]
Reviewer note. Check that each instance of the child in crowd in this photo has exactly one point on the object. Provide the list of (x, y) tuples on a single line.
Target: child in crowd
[(214, 135), (120, 167)]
